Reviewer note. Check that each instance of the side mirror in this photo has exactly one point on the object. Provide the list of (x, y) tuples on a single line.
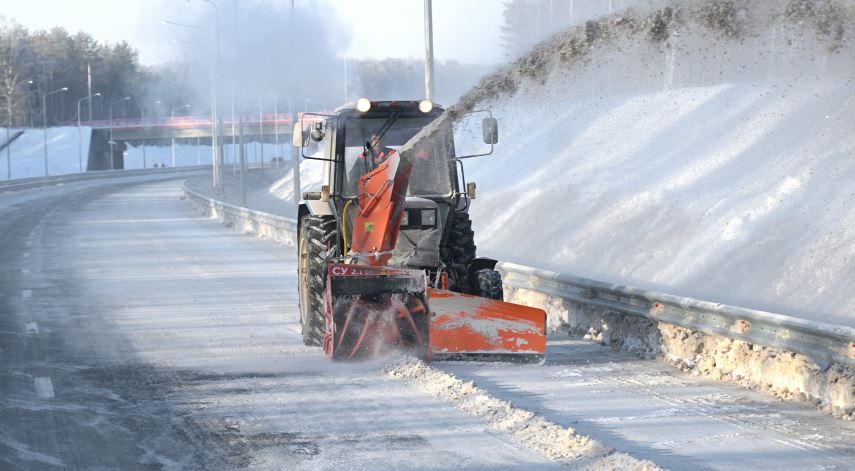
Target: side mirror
[(318, 132), (297, 137), (490, 130), (470, 190)]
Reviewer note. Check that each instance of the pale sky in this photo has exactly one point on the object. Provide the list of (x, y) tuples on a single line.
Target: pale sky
[(464, 30)]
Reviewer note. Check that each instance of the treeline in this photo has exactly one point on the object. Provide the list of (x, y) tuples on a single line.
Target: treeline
[(34, 63)]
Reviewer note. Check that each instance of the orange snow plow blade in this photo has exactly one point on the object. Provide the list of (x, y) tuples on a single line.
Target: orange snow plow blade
[(466, 327)]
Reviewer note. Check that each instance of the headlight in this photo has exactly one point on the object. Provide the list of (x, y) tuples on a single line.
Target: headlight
[(428, 217), (363, 105), (425, 106)]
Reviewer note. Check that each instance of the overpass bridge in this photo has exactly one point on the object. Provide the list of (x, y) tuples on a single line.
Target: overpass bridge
[(265, 128)]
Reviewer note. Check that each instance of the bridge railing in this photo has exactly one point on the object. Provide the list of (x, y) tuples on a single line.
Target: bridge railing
[(283, 120)]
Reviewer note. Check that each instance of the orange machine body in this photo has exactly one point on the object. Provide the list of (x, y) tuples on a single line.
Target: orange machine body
[(382, 193), (370, 306)]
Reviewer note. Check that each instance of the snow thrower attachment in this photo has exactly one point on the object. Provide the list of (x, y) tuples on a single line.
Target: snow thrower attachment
[(371, 311), (386, 250)]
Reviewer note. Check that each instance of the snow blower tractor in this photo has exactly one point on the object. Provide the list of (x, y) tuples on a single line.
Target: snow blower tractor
[(386, 253)]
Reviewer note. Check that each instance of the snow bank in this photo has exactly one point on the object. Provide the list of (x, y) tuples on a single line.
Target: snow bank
[(27, 153), (556, 442), (703, 149), (786, 375)]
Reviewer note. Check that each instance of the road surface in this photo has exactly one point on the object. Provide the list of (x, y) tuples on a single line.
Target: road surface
[(136, 334)]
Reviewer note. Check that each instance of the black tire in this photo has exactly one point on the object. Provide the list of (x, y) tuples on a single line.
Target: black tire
[(489, 284), (460, 250), (317, 236)]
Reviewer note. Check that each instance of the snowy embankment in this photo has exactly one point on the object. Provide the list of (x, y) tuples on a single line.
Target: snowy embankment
[(27, 153), (701, 151)]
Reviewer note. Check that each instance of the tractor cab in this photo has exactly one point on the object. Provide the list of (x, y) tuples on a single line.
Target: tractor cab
[(354, 139)]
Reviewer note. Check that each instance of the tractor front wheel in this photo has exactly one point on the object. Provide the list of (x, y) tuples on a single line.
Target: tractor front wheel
[(488, 284), (317, 235)]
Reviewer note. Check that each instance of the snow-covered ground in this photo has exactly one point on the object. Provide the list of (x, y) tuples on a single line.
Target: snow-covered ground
[(706, 165), (64, 145), (140, 334), (27, 153)]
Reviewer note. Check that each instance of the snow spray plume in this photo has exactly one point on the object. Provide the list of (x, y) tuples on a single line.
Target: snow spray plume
[(291, 53), (681, 43)]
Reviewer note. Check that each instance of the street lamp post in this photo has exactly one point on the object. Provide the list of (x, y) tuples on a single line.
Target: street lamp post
[(112, 142), (216, 144), (217, 141), (8, 144), (429, 89), (261, 131), (44, 121), (142, 118), (79, 137), (276, 154), (172, 115)]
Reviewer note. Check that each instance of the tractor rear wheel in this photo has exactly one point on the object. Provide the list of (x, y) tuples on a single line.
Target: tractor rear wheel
[(489, 284), (461, 251), (317, 235)]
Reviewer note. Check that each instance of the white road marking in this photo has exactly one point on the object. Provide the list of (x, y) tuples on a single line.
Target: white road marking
[(32, 328), (44, 387), (26, 293), (28, 243), (26, 254), (25, 271)]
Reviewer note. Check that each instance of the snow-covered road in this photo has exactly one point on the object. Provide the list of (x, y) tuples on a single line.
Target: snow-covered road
[(135, 334)]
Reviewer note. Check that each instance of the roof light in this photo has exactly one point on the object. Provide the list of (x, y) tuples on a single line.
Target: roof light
[(363, 105), (425, 106)]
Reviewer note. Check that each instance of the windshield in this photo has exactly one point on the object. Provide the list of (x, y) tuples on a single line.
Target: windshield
[(430, 175)]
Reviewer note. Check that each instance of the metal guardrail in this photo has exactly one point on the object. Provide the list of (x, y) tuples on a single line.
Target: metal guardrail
[(827, 342), (35, 182), (832, 343), (276, 227)]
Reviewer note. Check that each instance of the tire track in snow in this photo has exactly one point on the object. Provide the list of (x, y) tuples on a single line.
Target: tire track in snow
[(558, 443)]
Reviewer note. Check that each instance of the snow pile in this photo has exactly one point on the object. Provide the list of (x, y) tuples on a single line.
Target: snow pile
[(786, 375), (556, 442), (703, 149), (27, 153), (790, 376)]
